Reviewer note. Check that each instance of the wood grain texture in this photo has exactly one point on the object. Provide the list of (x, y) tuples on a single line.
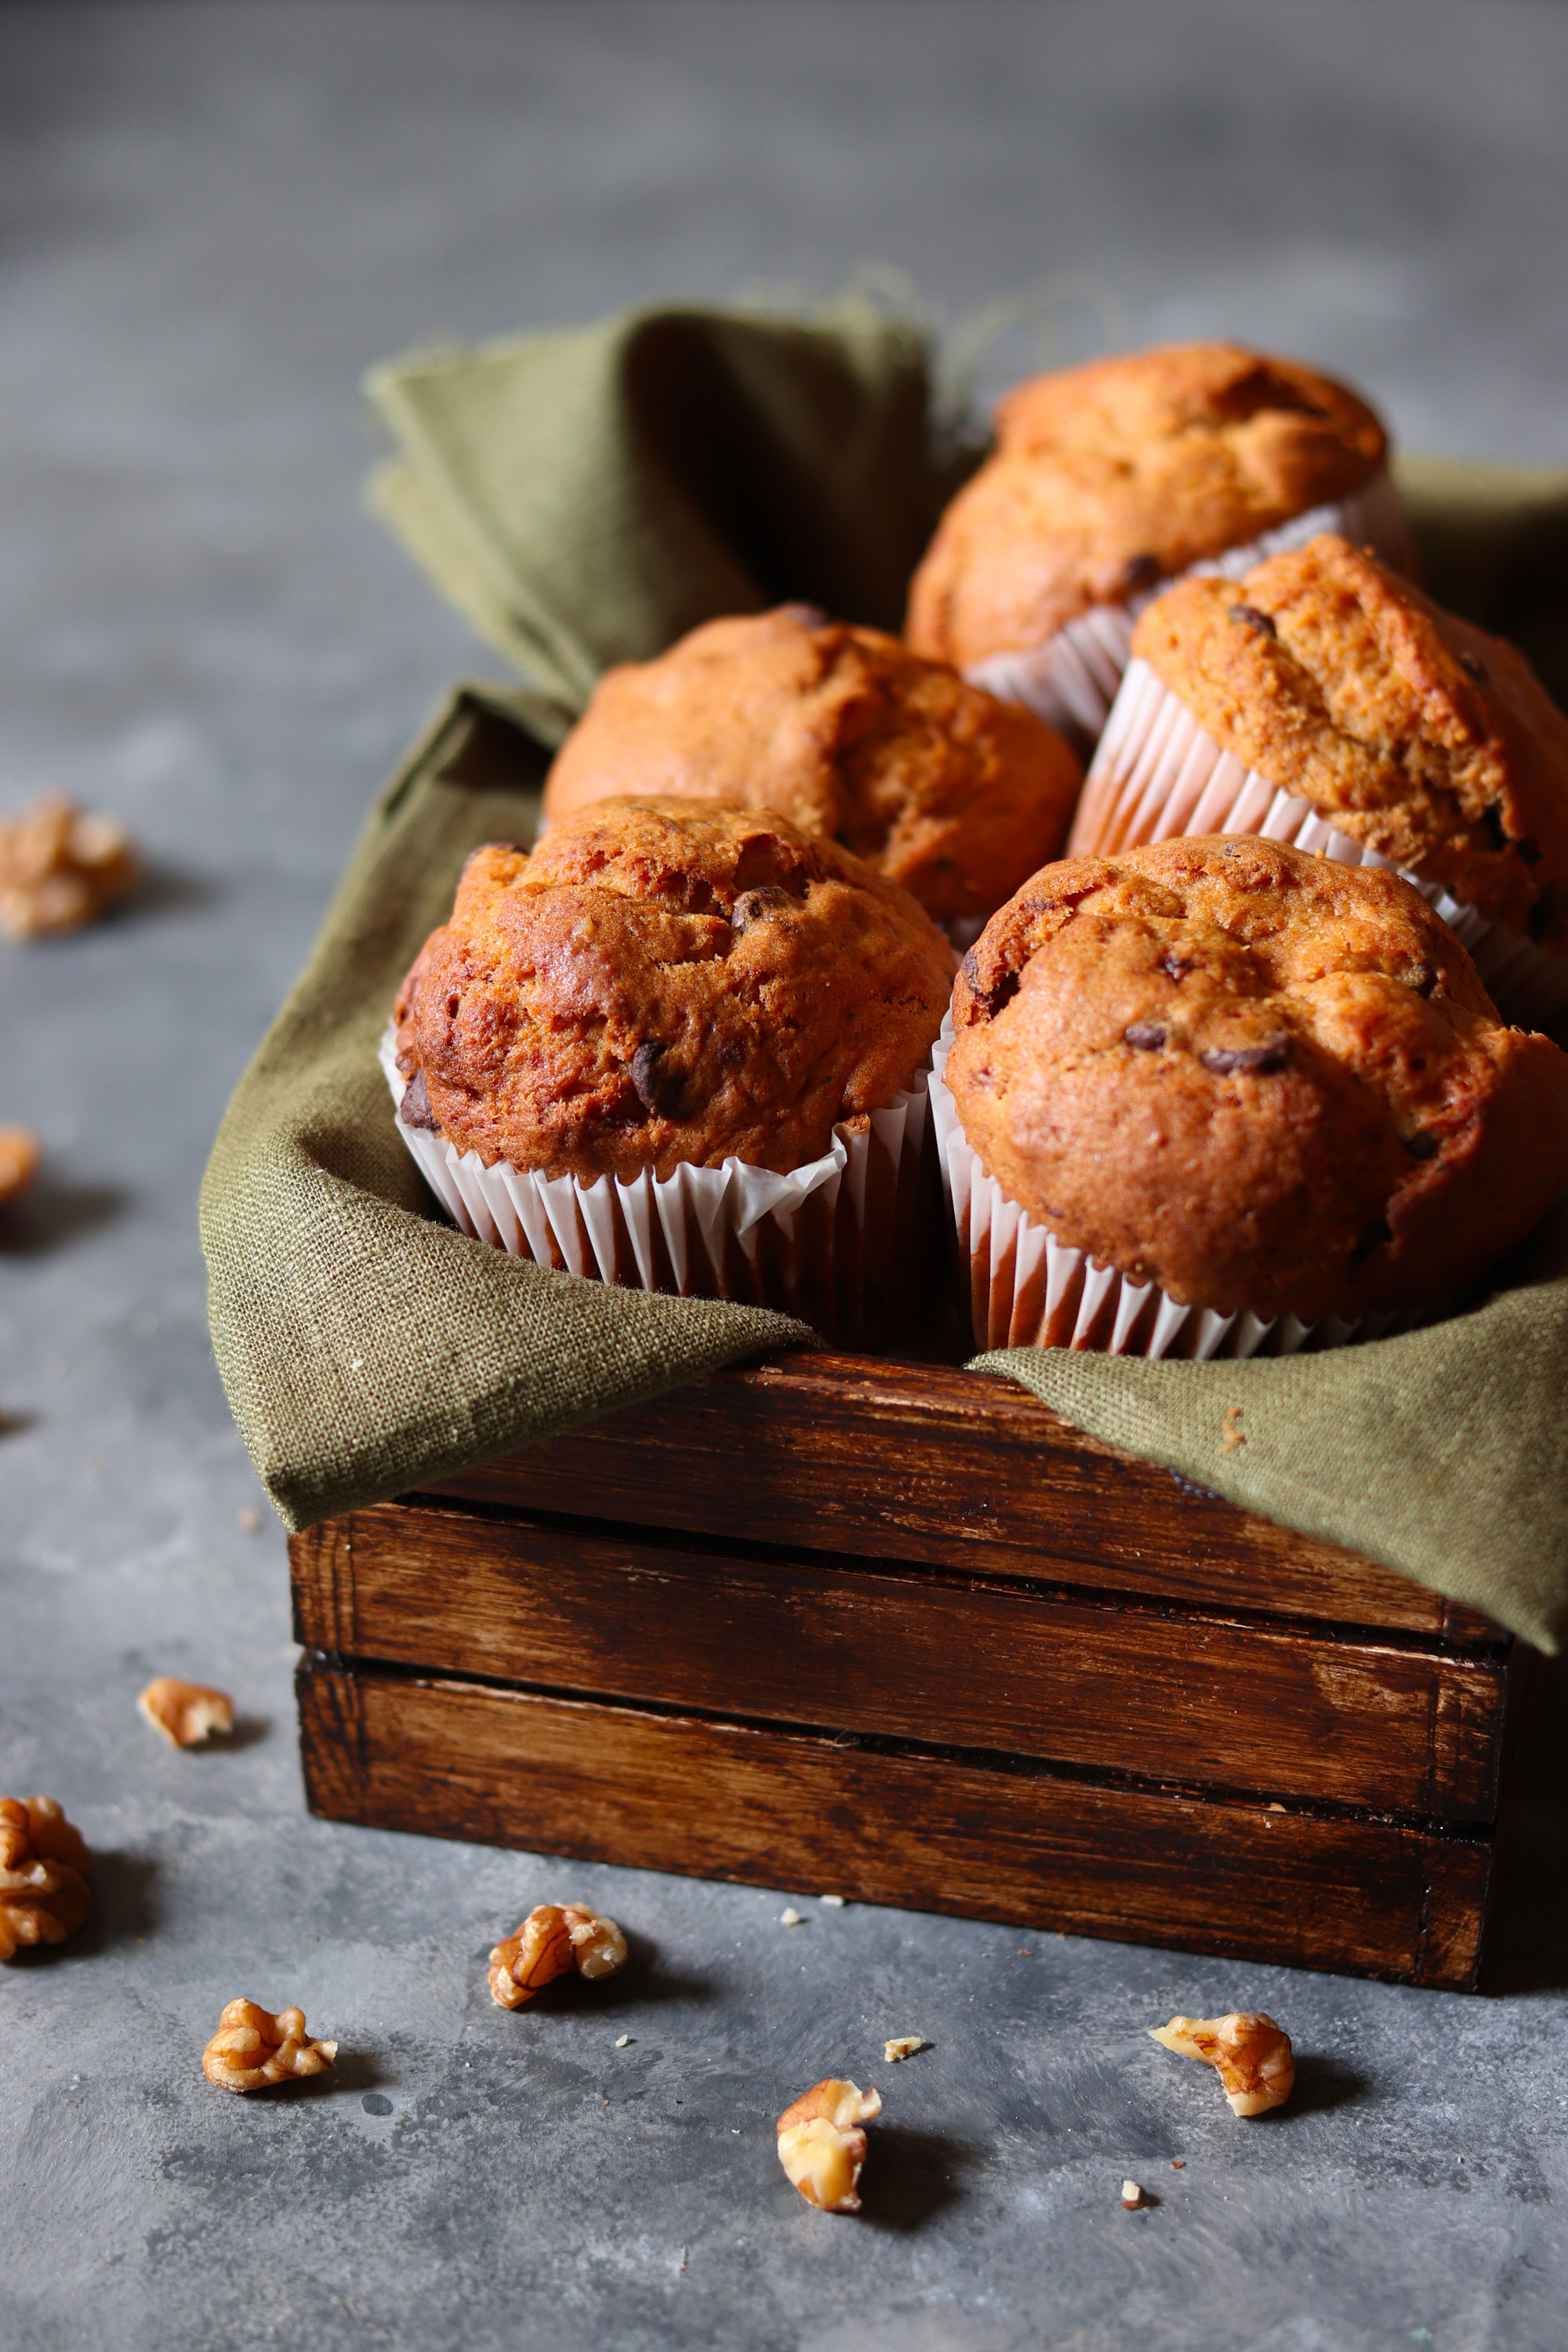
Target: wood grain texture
[(779, 1808), (910, 1653), (920, 1462)]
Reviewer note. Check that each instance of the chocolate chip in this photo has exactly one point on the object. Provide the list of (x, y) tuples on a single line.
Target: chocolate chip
[(988, 1000), (1423, 1144), (1422, 977), (1251, 617), (758, 905), (1473, 668), (810, 617), (1176, 967), (1145, 1036), (1497, 832), (1254, 1061), (1373, 1238), (1529, 849), (658, 1088), (415, 1110), (1140, 572)]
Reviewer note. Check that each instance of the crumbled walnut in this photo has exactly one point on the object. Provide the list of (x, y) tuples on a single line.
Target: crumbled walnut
[(1252, 2053), (790, 1917), (252, 2047), (186, 1713), (822, 2146), (59, 867), (903, 2045), (1132, 2196), (554, 1937), (833, 1901), (44, 1869), (18, 1160)]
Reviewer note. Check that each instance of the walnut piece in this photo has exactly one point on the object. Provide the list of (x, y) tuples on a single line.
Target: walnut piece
[(903, 2045), (44, 1871), (552, 1939), (1252, 2053), (18, 1160), (186, 1713), (60, 866), (822, 2146), (252, 2047)]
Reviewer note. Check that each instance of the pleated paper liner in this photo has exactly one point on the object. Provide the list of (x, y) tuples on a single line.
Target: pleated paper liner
[(1072, 680), (834, 1242), (1158, 775), (1027, 1289)]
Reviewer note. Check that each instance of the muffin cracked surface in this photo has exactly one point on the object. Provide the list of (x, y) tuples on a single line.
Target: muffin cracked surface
[(1109, 478), (1255, 1077), (658, 984), (1411, 730), (846, 732)]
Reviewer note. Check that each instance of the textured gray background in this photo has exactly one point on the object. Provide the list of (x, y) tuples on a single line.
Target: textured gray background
[(211, 218)]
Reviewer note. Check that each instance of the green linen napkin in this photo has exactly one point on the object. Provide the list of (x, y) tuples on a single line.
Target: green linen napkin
[(583, 497)]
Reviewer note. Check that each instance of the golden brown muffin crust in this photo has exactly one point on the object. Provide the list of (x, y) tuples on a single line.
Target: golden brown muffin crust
[(1109, 478), (945, 789), (1256, 1077), (1414, 732), (658, 984)]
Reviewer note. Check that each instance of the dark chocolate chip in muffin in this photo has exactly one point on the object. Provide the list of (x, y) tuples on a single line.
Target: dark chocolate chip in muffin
[(1254, 1061), (1249, 618), (988, 999), (1145, 1036), (659, 1084), (1497, 832), (1422, 977), (757, 906), (1140, 572), (414, 1111), (1422, 1145)]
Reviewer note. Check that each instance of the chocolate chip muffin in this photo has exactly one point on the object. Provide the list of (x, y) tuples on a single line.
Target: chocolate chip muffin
[(660, 984), (846, 733), (1409, 731), (1111, 477), (1262, 1081)]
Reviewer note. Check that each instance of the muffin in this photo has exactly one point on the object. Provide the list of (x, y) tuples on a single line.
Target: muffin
[(843, 730), (1211, 1096), (683, 1049), (1110, 478), (1323, 700)]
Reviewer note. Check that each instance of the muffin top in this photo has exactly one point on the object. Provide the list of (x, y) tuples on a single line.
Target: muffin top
[(846, 732), (1415, 732), (660, 983), (1256, 1077), (1110, 478)]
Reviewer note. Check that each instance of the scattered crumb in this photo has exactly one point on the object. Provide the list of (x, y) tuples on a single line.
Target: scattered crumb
[(833, 1901), (790, 1917), (622, 2039), (1132, 2196), (904, 2045), (248, 1519), (1232, 1434), (1178, 2164)]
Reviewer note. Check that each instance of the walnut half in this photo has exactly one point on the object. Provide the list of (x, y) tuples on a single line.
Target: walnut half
[(554, 1939), (822, 2146), (19, 1157), (252, 2047), (186, 1713), (44, 1869), (1252, 2053), (59, 867)]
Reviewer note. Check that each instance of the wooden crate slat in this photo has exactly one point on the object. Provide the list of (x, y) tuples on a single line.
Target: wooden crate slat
[(934, 1833), (920, 1462), (908, 1655)]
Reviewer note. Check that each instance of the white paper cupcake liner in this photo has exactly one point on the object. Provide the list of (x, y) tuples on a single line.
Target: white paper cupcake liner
[(1158, 774), (1072, 680), (832, 1241), (1027, 1289)]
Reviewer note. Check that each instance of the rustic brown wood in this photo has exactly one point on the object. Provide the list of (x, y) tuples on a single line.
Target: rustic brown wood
[(904, 1826), (923, 1463), (909, 1653)]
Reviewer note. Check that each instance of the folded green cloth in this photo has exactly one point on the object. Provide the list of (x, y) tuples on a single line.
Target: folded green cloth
[(583, 497)]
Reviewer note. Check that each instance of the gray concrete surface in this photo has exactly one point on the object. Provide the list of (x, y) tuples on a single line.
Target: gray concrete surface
[(211, 218)]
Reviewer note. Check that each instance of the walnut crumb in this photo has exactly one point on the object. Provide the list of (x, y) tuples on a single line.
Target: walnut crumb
[(1232, 1434), (1251, 2052), (252, 2047), (833, 1901), (1132, 2196), (904, 2045), (623, 2041), (187, 1714), (822, 2146), (59, 867), (19, 1157), (553, 1940), (790, 1917), (44, 1869)]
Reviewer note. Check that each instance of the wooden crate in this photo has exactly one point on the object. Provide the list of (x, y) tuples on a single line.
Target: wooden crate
[(842, 1625)]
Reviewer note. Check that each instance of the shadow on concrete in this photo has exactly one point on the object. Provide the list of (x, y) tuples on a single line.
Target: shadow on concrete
[(166, 890), (911, 2175), (1322, 2084), (52, 1212), (1527, 1943)]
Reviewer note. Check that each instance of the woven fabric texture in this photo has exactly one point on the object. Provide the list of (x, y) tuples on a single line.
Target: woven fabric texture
[(583, 497)]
